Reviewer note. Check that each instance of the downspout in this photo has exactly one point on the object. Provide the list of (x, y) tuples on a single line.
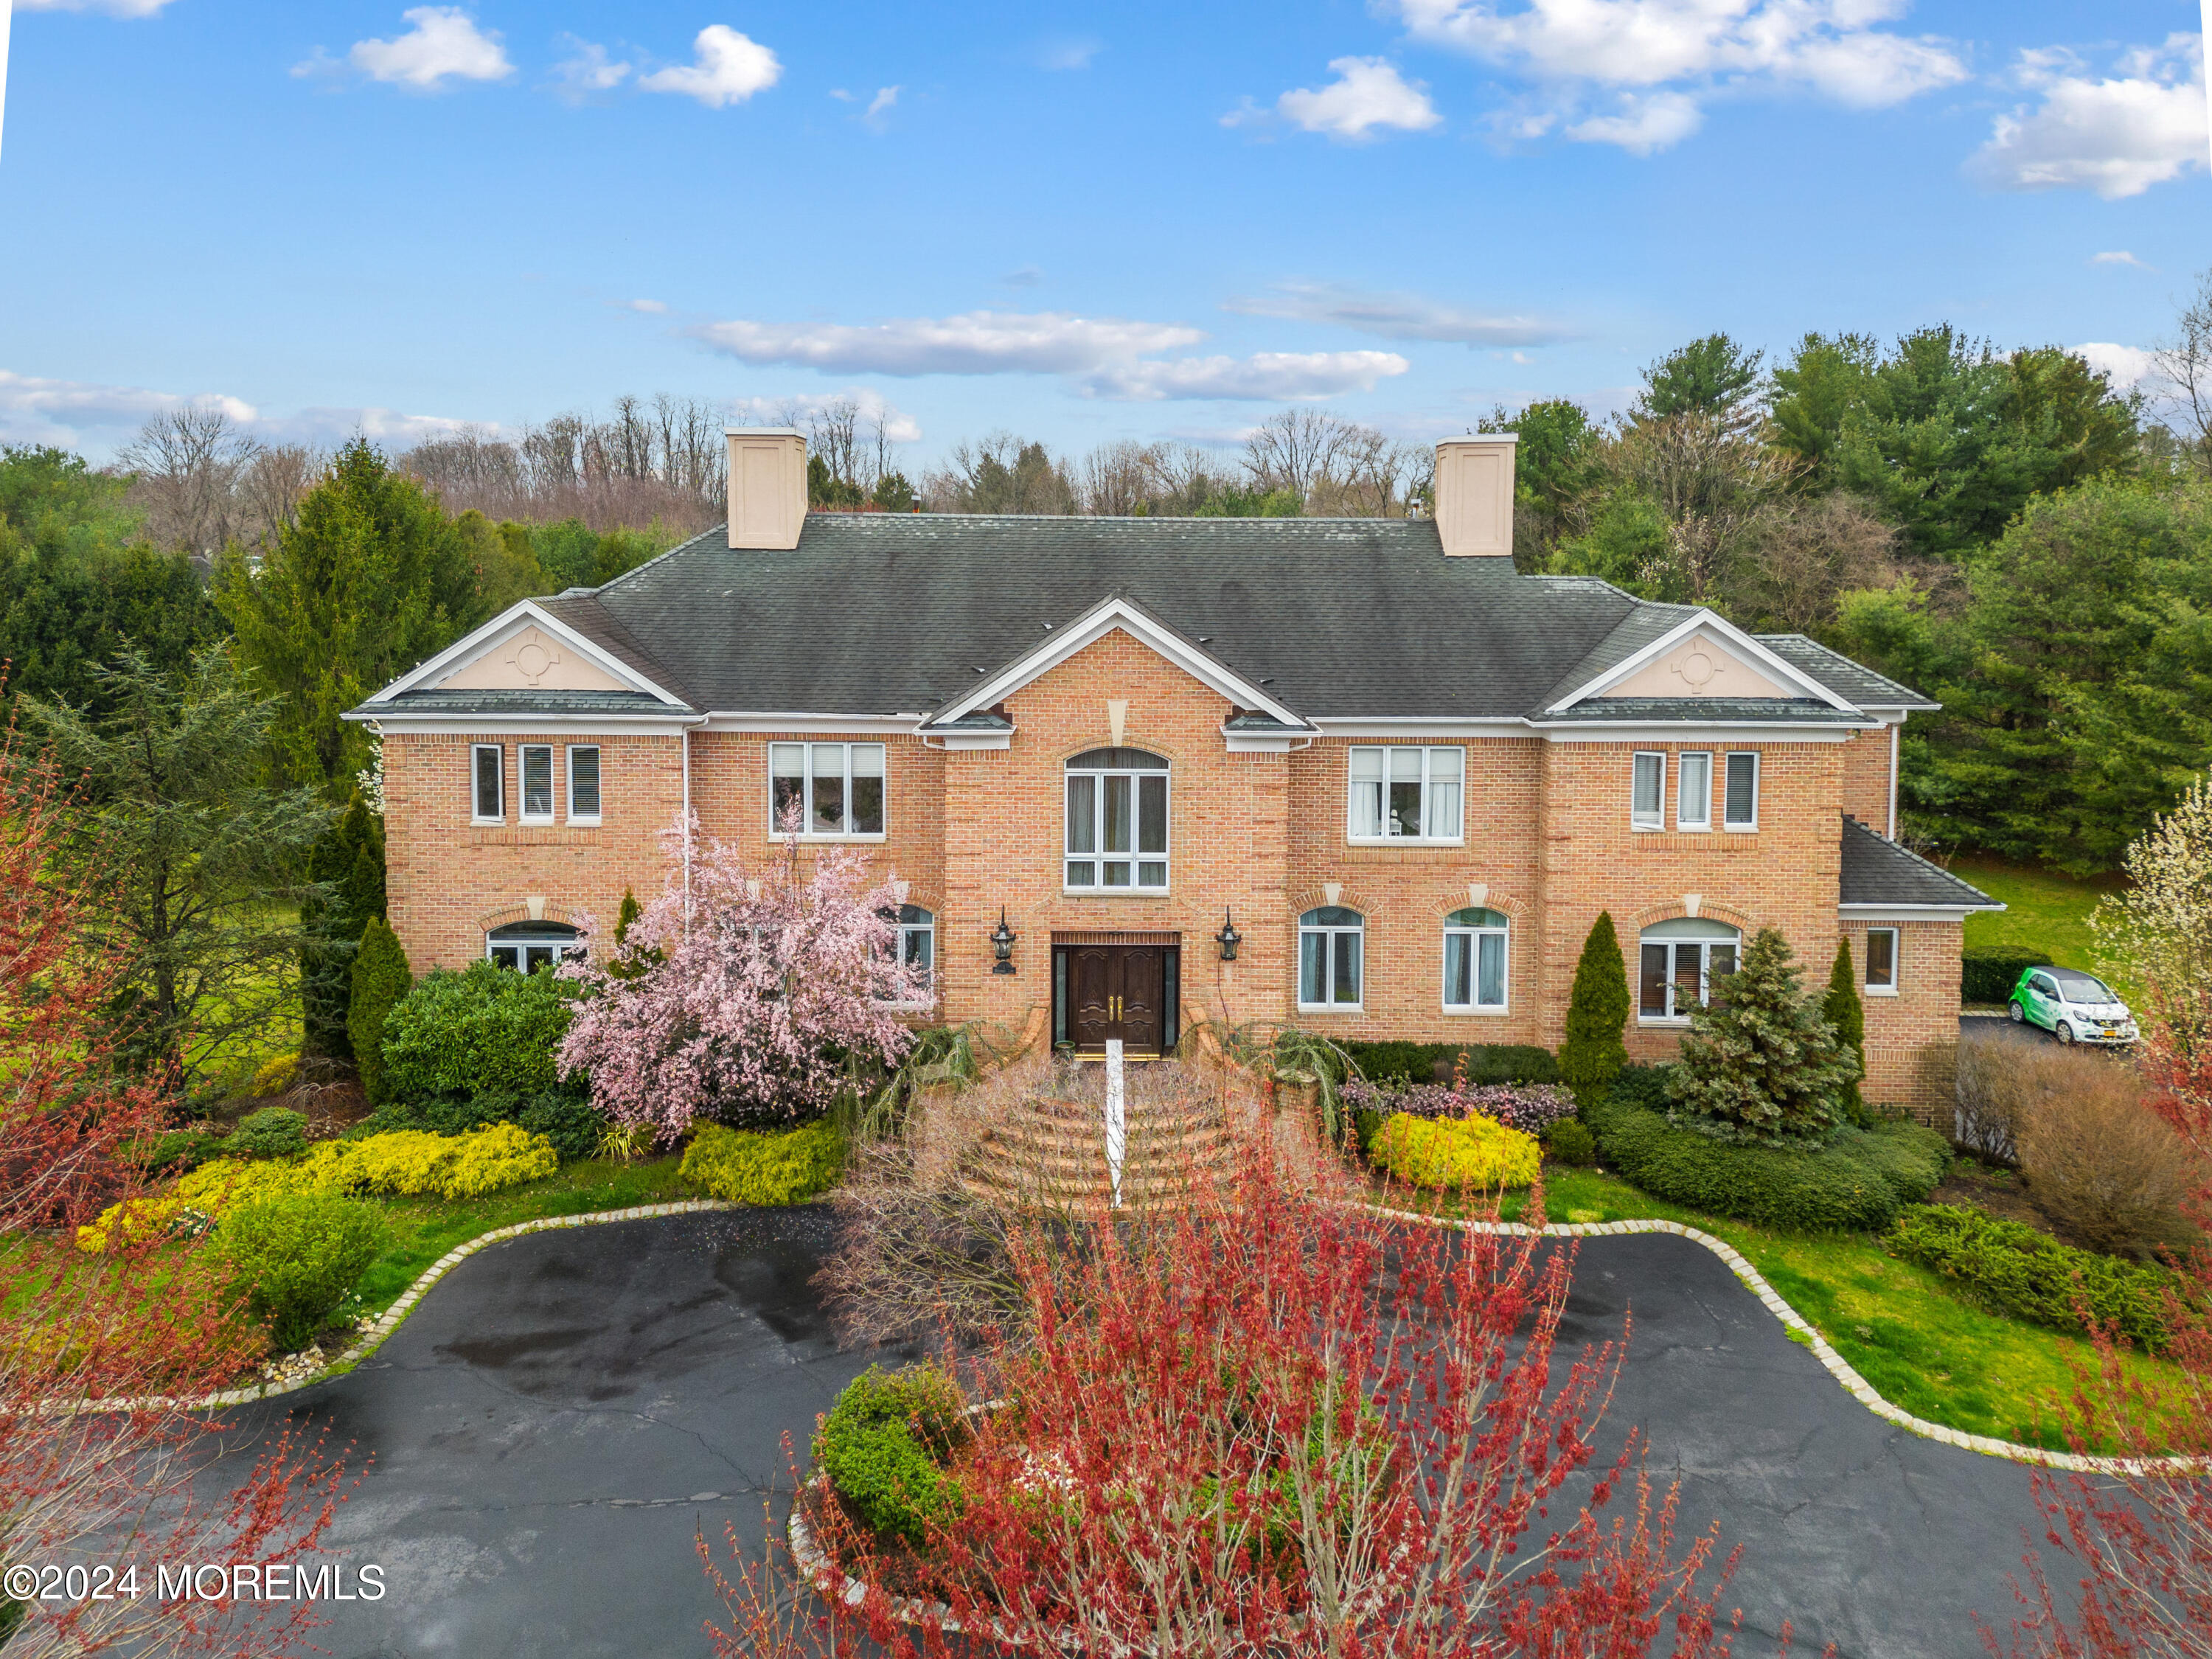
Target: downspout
[(1893, 731), (687, 831)]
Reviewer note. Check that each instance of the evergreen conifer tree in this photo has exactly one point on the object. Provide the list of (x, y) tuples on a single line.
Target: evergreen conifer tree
[(1847, 1014), (1592, 1053), (347, 864), (1761, 1063), (381, 978)]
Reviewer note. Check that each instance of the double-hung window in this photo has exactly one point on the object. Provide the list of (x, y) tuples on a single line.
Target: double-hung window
[(1474, 962), (1647, 795), (1117, 822), (537, 782), (1693, 790), (1404, 793), (584, 783), (826, 789), (488, 783), (1881, 961), (1331, 941), (1740, 797)]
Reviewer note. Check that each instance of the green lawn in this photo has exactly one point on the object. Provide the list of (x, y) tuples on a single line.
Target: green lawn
[(1900, 1327), (2047, 913)]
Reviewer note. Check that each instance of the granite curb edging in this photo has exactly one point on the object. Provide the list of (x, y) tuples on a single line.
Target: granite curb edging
[(1802, 1330), (395, 1315)]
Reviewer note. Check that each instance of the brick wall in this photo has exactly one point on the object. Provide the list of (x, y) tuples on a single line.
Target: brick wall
[(1905, 1031), (1866, 778)]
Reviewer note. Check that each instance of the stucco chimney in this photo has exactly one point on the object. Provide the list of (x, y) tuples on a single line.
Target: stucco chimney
[(768, 485), (1474, 495)]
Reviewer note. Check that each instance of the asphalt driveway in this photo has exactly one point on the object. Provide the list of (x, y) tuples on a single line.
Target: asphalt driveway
[(565, 1411)]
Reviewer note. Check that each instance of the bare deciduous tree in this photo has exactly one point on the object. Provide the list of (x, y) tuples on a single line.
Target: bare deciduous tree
[(270, 489), (2185, 364), (187, 463), (1800, 553), (1712, 477), (664, 460), (1295, 449)]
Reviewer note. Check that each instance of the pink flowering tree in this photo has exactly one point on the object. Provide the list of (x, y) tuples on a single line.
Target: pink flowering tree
[(743, 997)]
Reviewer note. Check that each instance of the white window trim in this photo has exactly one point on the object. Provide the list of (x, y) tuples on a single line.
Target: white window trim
[(1648, 826), (1681, 774), (1386, 839), (1328, 977), (1757, 769), (583, 820), (1474, 972), (1896, 963), (806, 809), (522, 812), (1100, 890), (500, 750), (901, 929), (1704, 976)]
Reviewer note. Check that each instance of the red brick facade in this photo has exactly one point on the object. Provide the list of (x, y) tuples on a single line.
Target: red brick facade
[(1262, 836)]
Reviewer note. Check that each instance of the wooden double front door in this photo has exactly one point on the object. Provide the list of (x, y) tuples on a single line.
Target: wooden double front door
[(1124, 991)]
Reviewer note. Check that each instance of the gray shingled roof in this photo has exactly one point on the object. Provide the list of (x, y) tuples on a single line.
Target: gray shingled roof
[(501, 701), (1877, 871), (1851, 681), (890, 613)]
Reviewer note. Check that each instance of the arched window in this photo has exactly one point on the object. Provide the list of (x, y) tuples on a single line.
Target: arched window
[(1331, 945), (1117, 822), (525, 946), (1683, 963), (1474, 960)]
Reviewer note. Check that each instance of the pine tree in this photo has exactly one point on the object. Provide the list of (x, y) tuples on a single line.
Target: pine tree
[(1592, 1053), (1843, 1010), (348, 866), (381, 978), (1762, 1064)]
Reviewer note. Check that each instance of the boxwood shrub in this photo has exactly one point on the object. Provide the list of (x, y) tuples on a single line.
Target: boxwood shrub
[(272, 1132), (1990, 975), (294, 1257), (1857, 1181), (2014, 1269), (1432, 1062), (762, 1166), (486, 1030), (883, 1445)]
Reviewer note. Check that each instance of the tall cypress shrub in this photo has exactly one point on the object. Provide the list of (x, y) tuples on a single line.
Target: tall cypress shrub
[(381, 978), (348, 866), (1593, 1053), (1844, 1011)]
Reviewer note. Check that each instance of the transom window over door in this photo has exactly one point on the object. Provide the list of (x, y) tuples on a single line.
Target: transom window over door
[(1406, 793), (1117, 822), (1331, 940), (1474, 960), (1683, 962), (835, 788)]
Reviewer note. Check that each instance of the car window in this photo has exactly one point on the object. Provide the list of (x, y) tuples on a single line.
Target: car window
[(2084, 988), (2043, 984)]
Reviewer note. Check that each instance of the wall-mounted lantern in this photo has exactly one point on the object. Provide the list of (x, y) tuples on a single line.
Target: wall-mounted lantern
[(1002, 945), (1228, 938)]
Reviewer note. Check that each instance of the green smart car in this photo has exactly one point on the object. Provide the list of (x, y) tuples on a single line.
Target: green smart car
[(2072, 1005)]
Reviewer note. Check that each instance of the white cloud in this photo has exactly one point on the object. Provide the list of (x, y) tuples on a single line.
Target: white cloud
[(1368, 93), (1099, 357), (588, 68), (1068, 54), (1266, 376), (727, 67), (2117, 135), (977, 342), (444, 42), (650, 307), (1023, 276), (899, 426), (112, 7), (2123, 365), (98, 418), (1576, 50), (1395, 316), (2117, 256), (1642, 125), (879, 107)]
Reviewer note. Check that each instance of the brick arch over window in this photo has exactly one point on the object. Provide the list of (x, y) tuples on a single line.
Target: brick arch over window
[(1347, 894), (1513, 908), (1673, 911), (510, 913)]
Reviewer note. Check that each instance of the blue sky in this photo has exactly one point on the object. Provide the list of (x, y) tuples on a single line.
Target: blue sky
[(1079, 222)]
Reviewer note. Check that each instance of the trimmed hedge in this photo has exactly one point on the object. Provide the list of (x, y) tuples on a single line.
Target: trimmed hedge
[(1432, 1062), (1569, 1142), (882, 1445), (759, 1166), (1856, 1182), (2014, 1269), (486, 1029), (1990, 975)]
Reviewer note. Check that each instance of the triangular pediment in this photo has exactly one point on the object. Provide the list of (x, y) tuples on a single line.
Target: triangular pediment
[(526, 648)]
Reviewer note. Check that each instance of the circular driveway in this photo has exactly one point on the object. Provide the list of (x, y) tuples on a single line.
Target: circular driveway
[(566, 1411)]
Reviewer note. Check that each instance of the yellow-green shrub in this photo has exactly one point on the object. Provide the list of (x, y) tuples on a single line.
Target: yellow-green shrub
[(1475, 1152), (747, 1167), (404, 1163)]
